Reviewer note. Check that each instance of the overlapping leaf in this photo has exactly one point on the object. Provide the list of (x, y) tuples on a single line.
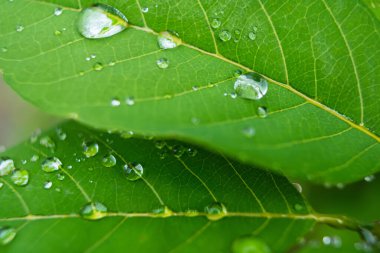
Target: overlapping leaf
[(259, 204), (322, 59)]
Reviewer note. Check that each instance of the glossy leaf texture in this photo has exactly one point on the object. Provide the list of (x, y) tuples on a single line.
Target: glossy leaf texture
[(46, 212), (321, 59)]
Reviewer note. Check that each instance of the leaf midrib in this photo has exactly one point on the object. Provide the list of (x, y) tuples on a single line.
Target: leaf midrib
[(310, 100)]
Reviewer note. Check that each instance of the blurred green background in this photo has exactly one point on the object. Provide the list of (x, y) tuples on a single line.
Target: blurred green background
[(19, 119)]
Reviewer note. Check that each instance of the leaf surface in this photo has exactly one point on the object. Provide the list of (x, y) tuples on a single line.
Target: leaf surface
[(258, 203), (321, 59)]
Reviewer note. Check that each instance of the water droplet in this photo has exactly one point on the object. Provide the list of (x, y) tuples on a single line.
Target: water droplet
[(58, 11), (35, 135), (24, 162), (51, 164), (101, 21), (215, 23), (249, 132), (178, 150), (47, 142), (195, 88), (195, 121), (191, 213), (237, 32), (4, 49), (250, 244), (162, 63), (115, 102), (238, 73), (130, 101), (192, 152), (60, 134), (93, 211), (90, 149), (251, 86), (34, 158), (109, 161), (69, 167), (144, 9), (60, 176), (298, 207), (19, 28), (298, 187), (48, 185), (163, 211), (334, 241), (233, 95), (93, 56), (369, 178), (20, 177), (133, 171), (127, 134), (262, 111), (167, 40), (7, 166), (215, 211), (97, 66), (160, 144), (1, 185), (163, 154), (225, 35), (252, 36), (7, 234)]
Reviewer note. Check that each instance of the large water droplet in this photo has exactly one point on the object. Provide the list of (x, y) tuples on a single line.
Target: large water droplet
[(215, 23), (20, 177), (93, 211), (133, 171), (7, 166), (167, 40), (215, 211), (162, 63), (249, 244), (225, 35), (7, 234), (109, 161), (90, 149), (251, 86), (101, 21), (51, 164)]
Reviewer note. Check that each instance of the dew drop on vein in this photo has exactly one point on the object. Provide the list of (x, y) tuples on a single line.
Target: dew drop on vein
[(133, 171), (58, 11), (101, 21), (93, 211), (215, 211), (51, 164), (166, 40), (251, 86)]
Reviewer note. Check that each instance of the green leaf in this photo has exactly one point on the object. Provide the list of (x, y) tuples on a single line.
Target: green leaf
[(321, 59), (259, 204)]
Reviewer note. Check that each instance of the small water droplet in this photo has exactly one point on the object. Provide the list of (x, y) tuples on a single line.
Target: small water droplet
[(93, 56), (60, 134), (47, 142), (144, 9), (163, 211), (215, 23), (101, 21), (167, 40), (60, 176), (233, 95), (298, 187), (249, 132), (160, 144), (195, 121), (69, 167), (369, 178), (20, 177), (195, 88), (334, 241), (163, 154), (250, 244), (109, 161), (97, 66), (48, 185), (19, 28), (162, 63), (251, 86), (34, 158), (7, 234), (93, 211), (1, 185), (133, 171), (191, 213), (298, 207), (115, 102), (238, 73), (7, 166), (90, 148), (237, 32), (58, 11), (225, 35), (51, 164), (130, 101), (192, 152), (4, 49), (262, 111), (35, 135), (252, 36), (215, 211), (178, 150), (126, 134)]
